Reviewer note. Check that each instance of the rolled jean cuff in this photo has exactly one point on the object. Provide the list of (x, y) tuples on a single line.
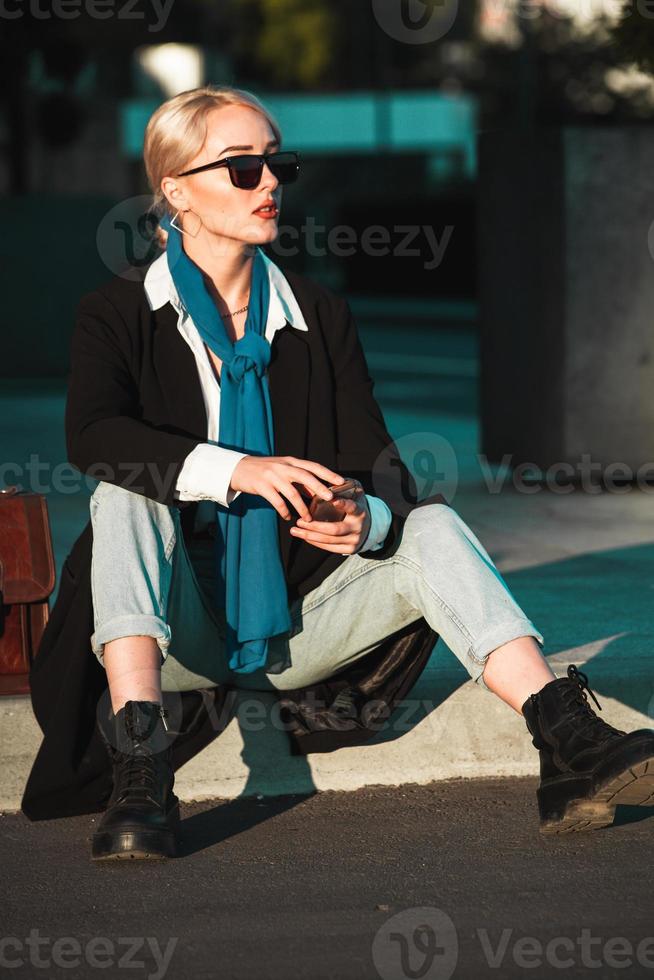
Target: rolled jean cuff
[(137, 624), (494, 638)]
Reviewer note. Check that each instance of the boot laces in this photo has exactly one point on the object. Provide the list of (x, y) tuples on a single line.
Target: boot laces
[(137, 776), (576, 697), (138, 772)]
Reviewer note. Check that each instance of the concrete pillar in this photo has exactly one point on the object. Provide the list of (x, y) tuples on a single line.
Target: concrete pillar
[(567, 296)]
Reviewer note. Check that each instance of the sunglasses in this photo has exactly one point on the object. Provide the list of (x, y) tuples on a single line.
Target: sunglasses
[(246, 169)]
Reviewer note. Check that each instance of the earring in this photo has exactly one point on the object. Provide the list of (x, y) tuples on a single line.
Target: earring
[(179, 228)]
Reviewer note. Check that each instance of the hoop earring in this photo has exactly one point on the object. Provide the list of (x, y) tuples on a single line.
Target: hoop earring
[(180, 229)]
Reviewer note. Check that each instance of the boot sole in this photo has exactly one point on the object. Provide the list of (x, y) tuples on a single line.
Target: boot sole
[(632, 786), (137, 843)]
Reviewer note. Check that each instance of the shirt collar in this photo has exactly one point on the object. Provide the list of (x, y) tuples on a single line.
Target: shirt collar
[(160, 289)]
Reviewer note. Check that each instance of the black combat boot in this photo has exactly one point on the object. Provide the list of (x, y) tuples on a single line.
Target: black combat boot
[(142, 815), (586, 766)]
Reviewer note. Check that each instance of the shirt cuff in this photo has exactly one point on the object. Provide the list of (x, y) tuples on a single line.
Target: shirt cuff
[(380, 522), (206, 474)]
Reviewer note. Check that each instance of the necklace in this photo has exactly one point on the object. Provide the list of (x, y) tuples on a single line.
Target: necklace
[(224, 316)]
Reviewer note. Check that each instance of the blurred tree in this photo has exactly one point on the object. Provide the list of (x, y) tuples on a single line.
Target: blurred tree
[(292, 42), (340, 45), (571, 69), (633, 37)]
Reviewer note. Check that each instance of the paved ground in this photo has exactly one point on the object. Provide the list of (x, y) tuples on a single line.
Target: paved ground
[(453, 876)]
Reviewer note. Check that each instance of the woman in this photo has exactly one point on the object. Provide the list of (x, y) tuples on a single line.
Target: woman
[(242, 595)]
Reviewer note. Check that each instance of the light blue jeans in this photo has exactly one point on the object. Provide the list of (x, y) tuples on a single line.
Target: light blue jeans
[(145, 581)]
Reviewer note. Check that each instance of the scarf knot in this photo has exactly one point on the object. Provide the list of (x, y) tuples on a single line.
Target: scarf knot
[(251, 353)]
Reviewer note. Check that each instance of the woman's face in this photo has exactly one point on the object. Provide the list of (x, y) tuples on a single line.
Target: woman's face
[(227, 211)]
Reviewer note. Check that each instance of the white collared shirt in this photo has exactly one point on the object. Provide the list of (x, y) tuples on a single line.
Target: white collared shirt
[(207, 470)]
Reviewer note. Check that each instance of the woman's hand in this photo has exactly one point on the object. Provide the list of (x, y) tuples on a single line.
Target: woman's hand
[(272, 476), (343, 537)]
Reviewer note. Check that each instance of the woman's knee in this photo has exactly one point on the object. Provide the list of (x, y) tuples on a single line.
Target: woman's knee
[(443, 528), (434, 527), (115, 510), (422, 518), (125, 502)]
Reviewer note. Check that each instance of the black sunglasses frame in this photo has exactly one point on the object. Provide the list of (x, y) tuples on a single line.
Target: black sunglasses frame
[(263, 158)]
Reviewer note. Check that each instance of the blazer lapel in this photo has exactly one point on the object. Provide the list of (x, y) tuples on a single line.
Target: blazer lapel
[(177, 373), (288, 383)]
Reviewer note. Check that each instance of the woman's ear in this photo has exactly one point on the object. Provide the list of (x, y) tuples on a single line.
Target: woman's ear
[(173, 193)]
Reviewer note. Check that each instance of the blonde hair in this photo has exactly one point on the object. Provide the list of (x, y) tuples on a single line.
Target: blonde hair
[(177, 130)]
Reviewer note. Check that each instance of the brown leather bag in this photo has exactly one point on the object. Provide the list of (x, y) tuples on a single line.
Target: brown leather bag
[(27, 578)]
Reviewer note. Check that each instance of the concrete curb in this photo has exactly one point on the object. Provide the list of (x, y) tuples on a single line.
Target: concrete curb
[(470, 733)]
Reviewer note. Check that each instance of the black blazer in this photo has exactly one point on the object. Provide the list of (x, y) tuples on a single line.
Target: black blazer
[(135, 409), (135, 405)]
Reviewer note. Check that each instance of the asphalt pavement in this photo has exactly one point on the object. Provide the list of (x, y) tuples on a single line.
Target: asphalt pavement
[(448, 879)]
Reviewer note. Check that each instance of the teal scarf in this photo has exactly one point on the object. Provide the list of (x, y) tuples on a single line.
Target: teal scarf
[(250, 581)]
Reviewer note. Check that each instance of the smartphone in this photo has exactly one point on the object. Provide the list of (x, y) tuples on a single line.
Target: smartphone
[(322, 510)]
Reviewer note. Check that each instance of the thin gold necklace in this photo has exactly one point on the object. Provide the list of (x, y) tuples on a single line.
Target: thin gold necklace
[(223, 316)]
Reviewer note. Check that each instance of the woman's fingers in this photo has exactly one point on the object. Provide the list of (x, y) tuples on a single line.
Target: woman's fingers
[(345, 544), (322, 530), (298, 502), (278, 503), (337, 542), (337, 536), (344, 505), (312, 486), (274, 478), (330, 476), (312, 535), (325, 527)]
